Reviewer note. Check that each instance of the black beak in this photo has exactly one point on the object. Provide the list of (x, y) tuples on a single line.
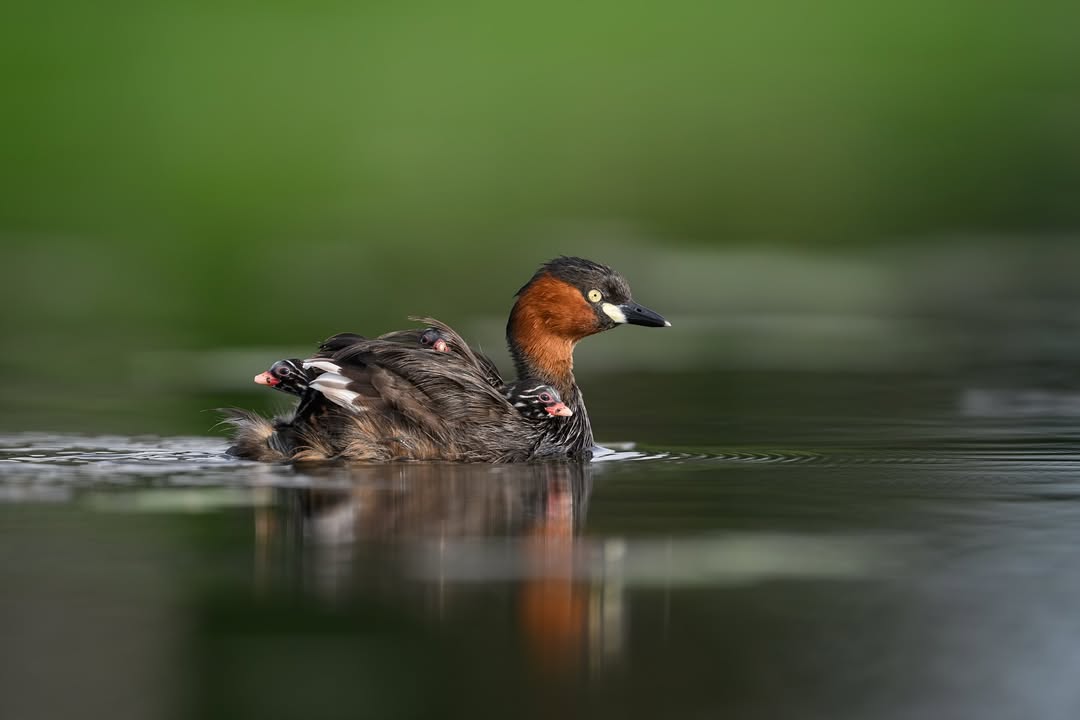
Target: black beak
[(638, 315)]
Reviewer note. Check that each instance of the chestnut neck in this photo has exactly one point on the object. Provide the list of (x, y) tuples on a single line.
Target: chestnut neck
[(548, 318), (541, 354)]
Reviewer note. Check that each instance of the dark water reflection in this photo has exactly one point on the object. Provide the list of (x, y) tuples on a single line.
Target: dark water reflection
[(918, 566)]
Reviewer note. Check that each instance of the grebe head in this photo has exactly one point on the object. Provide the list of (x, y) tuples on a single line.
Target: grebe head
[(575, 298), (537, 401), (285, 375), (568, 298)]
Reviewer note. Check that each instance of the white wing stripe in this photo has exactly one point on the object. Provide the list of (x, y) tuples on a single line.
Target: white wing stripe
[(324, 365), (329, 381)]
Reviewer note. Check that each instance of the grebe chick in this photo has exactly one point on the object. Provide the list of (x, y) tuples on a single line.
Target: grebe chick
[(287, 376), (536, 401), (432, 338)]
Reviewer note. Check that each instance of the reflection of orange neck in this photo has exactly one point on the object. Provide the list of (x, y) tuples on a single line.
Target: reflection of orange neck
[(554, 609)]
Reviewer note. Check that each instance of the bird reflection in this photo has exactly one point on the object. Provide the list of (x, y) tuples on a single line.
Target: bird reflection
[(452, 527)]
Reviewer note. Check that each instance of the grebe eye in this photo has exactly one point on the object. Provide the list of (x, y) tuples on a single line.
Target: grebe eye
[(284, 371), (545, 397), (595, 295)]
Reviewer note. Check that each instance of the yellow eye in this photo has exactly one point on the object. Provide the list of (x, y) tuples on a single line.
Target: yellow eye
[(595, 295)]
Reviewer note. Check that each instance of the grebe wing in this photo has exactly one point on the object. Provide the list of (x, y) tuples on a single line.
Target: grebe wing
[(337, 343), (442, 392), (458, 345)]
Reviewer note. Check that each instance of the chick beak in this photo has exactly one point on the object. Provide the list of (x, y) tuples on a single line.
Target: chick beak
[(266, 378), (559, 409), (441, 345)]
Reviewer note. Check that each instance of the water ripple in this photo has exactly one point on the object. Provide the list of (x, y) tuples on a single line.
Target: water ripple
[(41, 459)]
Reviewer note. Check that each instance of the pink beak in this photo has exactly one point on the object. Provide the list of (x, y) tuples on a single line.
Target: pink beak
[(441, 345), (559, 409), (266, 379)]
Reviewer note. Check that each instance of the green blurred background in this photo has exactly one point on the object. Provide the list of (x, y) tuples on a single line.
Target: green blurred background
[(189, 191)]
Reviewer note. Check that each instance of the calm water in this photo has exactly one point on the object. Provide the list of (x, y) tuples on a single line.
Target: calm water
[(863, 547)]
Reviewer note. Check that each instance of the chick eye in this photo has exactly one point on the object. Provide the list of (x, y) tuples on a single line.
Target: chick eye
[(284, 371), (595, 295), (545, 397)]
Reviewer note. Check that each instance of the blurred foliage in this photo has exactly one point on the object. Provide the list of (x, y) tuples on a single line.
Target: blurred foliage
[(202, 175)]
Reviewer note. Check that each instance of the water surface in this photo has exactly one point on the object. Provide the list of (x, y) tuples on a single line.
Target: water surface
[(873, 563)]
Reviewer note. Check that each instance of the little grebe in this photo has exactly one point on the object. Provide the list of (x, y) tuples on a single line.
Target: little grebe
[(426, 395)]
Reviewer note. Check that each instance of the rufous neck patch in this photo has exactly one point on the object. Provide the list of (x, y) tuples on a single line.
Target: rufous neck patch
[(549, 317)]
